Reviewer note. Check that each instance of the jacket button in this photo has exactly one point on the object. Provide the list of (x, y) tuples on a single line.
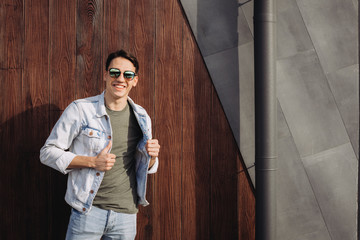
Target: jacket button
[(91, 191), (84, 209), (97, 174), (91, 133), (109, 137)]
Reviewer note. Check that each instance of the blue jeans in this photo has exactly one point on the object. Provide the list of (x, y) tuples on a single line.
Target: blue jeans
[(99, 223)]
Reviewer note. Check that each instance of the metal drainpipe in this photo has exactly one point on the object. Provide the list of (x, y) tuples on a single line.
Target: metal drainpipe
[(265, 118)]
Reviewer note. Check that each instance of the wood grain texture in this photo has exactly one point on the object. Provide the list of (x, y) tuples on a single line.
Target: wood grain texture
[(246, 203), (53, 52), (116, 26), (89, 60), (9, 138), (62, 53), (223, 176), (142, 45), (62, 83), (197, 89), (11, 58), (33, 178), (168, 124), (12, 38), (11, 72), (4, 35)]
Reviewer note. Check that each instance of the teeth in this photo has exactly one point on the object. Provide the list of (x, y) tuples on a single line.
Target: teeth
[(119, 86)]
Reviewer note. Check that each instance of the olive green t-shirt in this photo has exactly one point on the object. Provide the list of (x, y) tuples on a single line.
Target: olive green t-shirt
[(117, 191)]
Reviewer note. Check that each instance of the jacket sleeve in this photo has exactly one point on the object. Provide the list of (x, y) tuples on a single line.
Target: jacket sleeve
[(154, 167), (55, 152)]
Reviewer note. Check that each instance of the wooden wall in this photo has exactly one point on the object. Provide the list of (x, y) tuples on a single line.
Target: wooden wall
[(52, 52)]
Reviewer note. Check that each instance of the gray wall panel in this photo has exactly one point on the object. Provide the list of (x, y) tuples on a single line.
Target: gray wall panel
[(356, 3), (309, 105), (248, 9), (228, 85), (291, 31), (247, 114), (298, 212), (332, 175), (221, 33), (332, 28), (344, 84)]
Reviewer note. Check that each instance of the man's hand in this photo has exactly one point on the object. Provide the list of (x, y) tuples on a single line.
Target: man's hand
[(104, 161), (153, 148)]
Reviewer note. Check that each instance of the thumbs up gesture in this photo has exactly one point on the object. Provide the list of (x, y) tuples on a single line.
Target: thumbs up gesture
[(104, 161)]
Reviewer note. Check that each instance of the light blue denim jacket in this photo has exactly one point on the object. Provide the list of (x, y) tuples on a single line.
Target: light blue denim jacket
[(84, 129)]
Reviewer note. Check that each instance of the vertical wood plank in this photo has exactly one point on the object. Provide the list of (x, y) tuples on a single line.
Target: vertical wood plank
[(62, 57), (3, 36), (168, 110), (89, 25), (62, 52), (32, 177), (11, 57), (196, 142), (116, 26), (141, 44), (11, 64), (223, 176), (36, 84), (12, 34), (10, 100), (246, 203)]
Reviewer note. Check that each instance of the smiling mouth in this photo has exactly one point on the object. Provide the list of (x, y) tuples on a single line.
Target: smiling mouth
[(118, 86)]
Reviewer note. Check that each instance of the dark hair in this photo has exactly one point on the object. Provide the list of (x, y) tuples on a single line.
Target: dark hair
[(123, 54)]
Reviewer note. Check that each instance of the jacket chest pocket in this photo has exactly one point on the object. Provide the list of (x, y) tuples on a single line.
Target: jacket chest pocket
[(93, 139)]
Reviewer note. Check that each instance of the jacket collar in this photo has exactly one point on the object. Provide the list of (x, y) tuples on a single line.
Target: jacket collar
[(101, 109)]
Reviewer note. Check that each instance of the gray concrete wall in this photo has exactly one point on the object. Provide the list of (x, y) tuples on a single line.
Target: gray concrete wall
[(318, 104)]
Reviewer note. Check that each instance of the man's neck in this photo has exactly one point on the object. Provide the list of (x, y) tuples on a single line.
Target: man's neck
[(115, 104)]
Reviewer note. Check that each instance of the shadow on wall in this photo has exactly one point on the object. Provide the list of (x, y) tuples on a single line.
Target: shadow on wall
[(32, 201)]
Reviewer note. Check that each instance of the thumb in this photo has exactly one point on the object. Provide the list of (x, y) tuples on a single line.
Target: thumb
[(107, 148)]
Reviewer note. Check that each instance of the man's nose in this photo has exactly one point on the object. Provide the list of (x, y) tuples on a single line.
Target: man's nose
[(121, 78)]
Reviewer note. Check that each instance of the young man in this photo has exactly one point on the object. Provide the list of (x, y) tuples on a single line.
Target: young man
[(104, 144)]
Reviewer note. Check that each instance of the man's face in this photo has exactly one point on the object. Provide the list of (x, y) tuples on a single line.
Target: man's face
[(119, 87)]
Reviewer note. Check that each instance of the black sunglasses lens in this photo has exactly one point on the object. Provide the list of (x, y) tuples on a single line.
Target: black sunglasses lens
[(114, 73), (129, 75)]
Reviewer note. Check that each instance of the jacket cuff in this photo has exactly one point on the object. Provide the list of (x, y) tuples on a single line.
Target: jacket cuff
[(154, 167), (64, 161)]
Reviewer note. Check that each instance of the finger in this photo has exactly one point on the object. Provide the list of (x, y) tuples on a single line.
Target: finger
[(110, 163), (107, 148), (153, 149), (153, 146), (153, 154), (152, 141)]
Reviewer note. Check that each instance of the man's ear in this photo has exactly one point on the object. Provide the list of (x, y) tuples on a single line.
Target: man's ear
[(136, 78), (105, 75)]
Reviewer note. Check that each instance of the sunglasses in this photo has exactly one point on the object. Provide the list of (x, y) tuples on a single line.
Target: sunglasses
[(115, 73)]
